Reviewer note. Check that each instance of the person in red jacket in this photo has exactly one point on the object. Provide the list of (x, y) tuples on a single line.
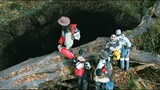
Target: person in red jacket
[(70, 32), (82, 67)]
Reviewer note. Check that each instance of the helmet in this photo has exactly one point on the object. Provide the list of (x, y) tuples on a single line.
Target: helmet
[(104, 55), (98, 72), (118, 32), (81, 52), (113, 37)]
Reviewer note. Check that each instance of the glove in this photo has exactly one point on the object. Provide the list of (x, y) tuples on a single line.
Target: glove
[(88, 66), (59, 47)]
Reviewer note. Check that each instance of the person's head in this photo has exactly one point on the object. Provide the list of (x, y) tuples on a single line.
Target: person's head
[(99, 72), (104, 55), (113, 37), (64, 21), (118, 32), (81, 52)]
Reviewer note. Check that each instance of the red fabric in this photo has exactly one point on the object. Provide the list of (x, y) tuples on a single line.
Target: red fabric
[(66, 52), (72, 27), (61, 40), (79, 72), (104, 70)]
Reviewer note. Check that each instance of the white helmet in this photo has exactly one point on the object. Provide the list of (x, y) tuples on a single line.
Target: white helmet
[(118, 32)]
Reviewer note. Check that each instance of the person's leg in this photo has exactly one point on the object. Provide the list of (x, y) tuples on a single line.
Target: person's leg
[(122, 63), (127, 60), (97, 85), (79, 83), (126, 64), (110, 74), (84, 84), (110, 85)]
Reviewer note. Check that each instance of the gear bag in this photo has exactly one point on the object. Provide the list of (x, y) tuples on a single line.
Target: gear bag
[(66, 52), (79, 72), (116, 54)]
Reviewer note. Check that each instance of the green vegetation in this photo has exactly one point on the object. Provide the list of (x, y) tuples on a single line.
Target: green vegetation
[(11, 10), (131, 84), (149, 41)]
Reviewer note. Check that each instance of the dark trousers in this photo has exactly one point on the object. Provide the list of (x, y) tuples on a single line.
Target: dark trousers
[(82, 83)]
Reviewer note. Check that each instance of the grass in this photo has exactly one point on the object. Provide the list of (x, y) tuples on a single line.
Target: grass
[(149, 41), (11, 10)]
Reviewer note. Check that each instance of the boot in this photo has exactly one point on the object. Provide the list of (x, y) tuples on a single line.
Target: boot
[(122, 64), (127, 65)]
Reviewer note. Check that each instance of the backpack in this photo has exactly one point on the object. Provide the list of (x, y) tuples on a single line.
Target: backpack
[(79, 72), (116, 54)]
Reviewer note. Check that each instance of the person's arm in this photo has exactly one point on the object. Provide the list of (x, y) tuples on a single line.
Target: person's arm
[(87, 65), (128, 43), (119, 46), (100, 79)]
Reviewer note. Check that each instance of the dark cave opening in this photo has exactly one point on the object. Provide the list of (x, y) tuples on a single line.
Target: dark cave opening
[(44, 39)]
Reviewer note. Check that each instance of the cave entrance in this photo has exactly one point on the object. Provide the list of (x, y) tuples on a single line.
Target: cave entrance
[(44, 39)]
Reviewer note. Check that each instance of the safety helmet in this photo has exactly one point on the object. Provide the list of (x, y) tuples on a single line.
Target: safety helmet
[(118, 32)]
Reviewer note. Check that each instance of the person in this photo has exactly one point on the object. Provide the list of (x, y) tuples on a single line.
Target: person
[(125, 49), (104, 82), (82, 70), (69, 32), (104, 65), (113, 45), (104, 62)]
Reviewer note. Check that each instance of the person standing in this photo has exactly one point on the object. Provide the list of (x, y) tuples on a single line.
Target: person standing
[(112, 45), (82, 71), (105, 83), (125, 50), (70, 32), (106, 68)]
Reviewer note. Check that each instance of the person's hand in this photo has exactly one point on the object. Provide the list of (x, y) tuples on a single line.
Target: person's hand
[(59, 47), (96, 78), (112, 48), (106, 46)]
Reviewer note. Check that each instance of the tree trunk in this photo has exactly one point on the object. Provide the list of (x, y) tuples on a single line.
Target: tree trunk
[(55, 67)]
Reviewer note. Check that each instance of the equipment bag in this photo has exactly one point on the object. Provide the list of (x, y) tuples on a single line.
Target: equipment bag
[(116, 54), (66, 52), (79, 72)]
